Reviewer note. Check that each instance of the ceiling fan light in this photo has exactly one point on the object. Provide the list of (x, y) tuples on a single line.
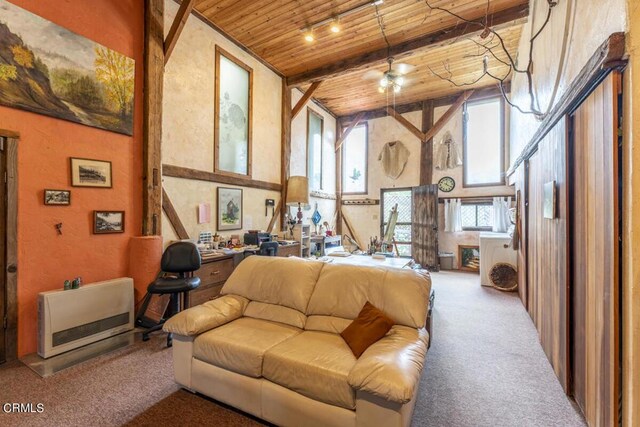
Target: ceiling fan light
[(399, 81), (384, 82), (381, 89), (396, 89)]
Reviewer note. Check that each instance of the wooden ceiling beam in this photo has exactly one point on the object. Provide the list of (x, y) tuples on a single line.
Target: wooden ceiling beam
[(402, 49), (176, 28), (348, 130), (447, 115), (405, 123), (305, 98), (487, 92)]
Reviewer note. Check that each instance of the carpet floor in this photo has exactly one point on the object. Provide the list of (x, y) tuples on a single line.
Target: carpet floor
[(485, 368)]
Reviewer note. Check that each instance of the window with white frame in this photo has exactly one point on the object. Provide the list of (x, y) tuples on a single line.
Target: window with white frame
[(483, 140)]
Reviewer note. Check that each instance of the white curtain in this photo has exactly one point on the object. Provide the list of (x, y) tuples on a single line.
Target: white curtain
[(452, 215), (501, 220)]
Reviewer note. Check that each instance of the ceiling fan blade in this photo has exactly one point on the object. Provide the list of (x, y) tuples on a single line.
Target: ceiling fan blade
[(402, 68), (373, 75)]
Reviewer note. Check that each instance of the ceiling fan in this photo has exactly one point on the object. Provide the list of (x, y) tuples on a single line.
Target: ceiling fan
[(391, 79)]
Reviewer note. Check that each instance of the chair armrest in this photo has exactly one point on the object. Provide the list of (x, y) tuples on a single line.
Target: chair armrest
[(391, 367), (209, 315)]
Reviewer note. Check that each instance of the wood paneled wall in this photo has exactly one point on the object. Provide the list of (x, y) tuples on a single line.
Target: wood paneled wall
[(595, 265), (548, 295)]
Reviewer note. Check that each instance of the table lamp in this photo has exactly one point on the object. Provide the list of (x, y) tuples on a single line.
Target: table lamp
[(298, 193)]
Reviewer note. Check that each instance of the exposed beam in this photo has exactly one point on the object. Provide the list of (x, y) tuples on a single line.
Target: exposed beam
[(176, 28), (447, 115), (426, 149), (403, 49), (484, 93), (348, 130), (152, 118), (338, 213), (352, 231), (187, 173), (305, 97), (173, 217), (285, 149), (275, 216), (405, 123)]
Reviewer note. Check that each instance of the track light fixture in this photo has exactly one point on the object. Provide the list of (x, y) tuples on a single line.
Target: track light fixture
[(334, 21)]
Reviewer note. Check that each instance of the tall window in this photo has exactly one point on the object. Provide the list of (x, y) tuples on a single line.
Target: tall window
[(484, 143), (402, 197), (315, 127), (354, 161)]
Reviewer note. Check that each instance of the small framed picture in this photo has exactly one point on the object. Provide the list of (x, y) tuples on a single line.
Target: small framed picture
[(106, 222), (90, 173), (469, 257), (229, 208), (57, 197)]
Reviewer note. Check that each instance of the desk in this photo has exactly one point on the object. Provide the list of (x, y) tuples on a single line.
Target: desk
[(368, 261), (324, 244), (213, 273)]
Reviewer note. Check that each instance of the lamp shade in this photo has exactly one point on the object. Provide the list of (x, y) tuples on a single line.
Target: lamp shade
[(298, 190)]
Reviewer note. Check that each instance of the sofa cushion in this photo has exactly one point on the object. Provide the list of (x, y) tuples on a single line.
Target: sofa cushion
[(209, 315), (275, 280), (240, 346), (275, 313), (370, 325), (331, 324), (342, 290), (314, 364)]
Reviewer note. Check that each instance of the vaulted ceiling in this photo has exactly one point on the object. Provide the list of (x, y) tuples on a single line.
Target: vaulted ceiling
[(417, 35)]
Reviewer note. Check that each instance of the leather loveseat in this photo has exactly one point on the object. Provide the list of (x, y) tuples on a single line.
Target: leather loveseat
[(271, 344)]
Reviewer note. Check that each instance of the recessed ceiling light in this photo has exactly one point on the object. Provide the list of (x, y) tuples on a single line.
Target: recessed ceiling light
[(335, 26), (308, 36)]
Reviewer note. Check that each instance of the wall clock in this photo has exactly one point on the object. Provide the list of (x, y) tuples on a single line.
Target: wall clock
[(446, 184)]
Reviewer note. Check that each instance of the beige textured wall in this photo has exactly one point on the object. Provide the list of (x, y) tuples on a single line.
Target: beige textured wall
[(326, 207), (366, 219), (188, 122), (576, 30)]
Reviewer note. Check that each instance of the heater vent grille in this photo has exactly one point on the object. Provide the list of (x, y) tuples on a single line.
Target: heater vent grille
[(88, 329)]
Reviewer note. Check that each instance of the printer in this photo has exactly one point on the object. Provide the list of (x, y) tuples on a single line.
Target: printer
[(256, 238)]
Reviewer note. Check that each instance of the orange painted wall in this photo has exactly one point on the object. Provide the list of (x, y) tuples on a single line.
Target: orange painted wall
[(45, 259)]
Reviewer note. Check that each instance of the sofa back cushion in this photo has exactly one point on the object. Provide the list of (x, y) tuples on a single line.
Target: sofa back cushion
[(342, 291), (274, 280), (275, 313)]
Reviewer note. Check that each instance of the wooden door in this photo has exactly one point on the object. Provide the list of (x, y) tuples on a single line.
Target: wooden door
[(3, 249), (424, 246), (595, 221)]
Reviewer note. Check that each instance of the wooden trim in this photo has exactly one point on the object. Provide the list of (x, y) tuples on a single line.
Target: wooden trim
[(360, 202), (338, 211), (484, 93), (154, 60), (172, 216), (216, 120), (444, 119), (322, 195), (285, 149), (405, 123), (464, 148), (404, 49), (310, 112), (348, 130), (176, 28), (276, 214), (305, 98), (352, 231), (9, 134), (426, 149), (11, 302), (366, 165), (608, 57), (187, 173)]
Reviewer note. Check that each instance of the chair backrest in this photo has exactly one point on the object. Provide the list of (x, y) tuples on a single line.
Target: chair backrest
[(269, 248), (180, 257)]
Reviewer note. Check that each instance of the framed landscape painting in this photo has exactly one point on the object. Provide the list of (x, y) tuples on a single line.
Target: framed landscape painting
[(57, 197), (49, 70), (106, 222), (229, 208), (90, 173)]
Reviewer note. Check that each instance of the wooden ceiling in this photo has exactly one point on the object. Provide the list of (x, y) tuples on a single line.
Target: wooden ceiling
[(272, 30)]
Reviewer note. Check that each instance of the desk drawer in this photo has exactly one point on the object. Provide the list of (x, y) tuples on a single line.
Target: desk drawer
[(204, 293), (215, 272)]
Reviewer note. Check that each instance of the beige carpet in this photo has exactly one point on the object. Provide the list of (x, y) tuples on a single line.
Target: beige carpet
[(485, 368)]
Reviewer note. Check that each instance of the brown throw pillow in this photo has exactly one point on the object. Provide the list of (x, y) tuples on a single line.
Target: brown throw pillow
[(370, 325)]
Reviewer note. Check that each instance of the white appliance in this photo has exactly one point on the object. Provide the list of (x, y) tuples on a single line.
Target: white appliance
[(77, 317), (495, 248)]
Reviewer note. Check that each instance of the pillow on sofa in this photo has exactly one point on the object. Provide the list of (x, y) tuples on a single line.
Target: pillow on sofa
[(370, 325)]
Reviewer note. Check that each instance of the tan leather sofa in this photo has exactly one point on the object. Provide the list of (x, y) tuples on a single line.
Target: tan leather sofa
[(270, 345)]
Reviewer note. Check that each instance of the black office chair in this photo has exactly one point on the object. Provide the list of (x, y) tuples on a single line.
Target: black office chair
[(269, 249), (181, 258)]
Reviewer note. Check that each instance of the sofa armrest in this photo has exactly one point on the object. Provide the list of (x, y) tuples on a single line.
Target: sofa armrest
[(209, 315), (391, 367)]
